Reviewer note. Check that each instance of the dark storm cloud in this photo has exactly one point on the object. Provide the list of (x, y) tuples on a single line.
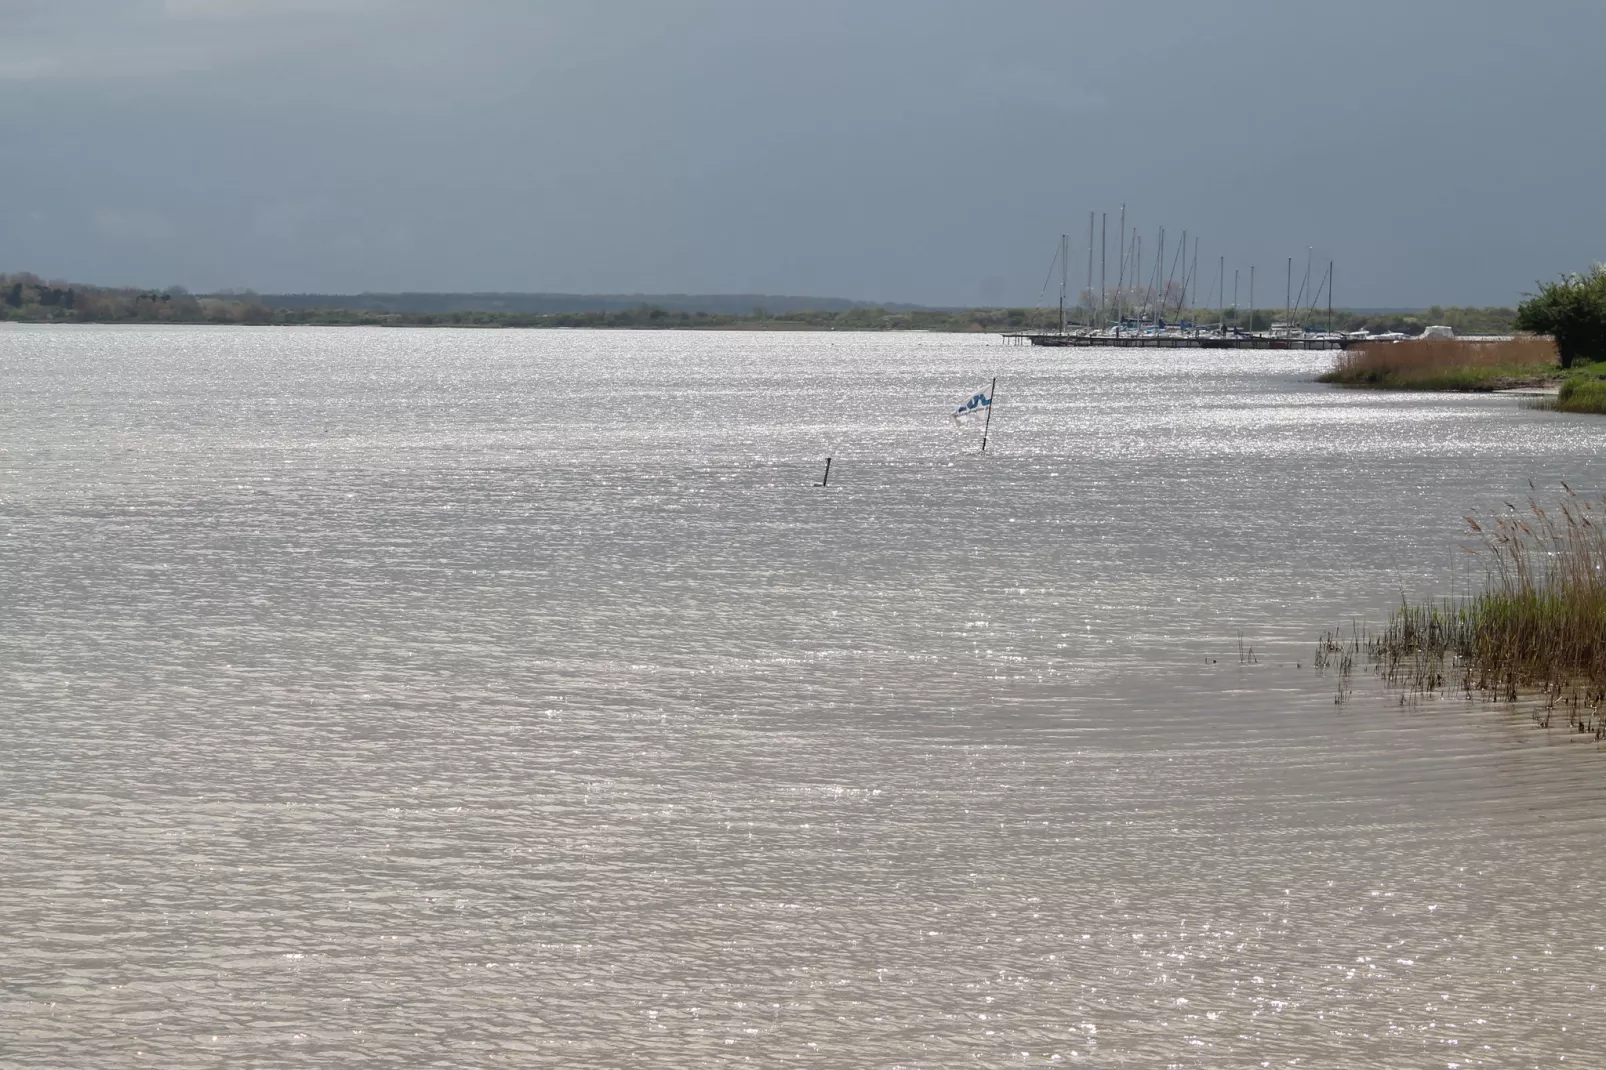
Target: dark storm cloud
[(925, 151)]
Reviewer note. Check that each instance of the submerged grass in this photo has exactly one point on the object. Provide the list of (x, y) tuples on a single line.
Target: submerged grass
[(1447, 364), (1539, 625)]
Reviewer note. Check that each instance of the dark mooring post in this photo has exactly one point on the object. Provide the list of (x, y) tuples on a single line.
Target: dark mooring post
[(992, 391), (827, 479)]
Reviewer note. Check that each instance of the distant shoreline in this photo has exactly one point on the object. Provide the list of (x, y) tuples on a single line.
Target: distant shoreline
[(753, 328), (28, 298), (972, 321)]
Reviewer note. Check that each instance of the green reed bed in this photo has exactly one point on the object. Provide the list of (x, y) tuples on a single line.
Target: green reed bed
[(1538, 627)]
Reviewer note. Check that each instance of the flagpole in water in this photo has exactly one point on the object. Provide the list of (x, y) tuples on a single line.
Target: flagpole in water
[(987, 423)]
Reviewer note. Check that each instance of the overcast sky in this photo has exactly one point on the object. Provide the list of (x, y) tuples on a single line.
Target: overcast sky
[(1442, 151)]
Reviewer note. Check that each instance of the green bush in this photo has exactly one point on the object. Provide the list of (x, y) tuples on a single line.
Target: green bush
[(1572, 310)]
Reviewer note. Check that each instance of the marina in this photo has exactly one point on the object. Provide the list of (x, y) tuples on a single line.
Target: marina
[(1152, 311), (1182, 339)]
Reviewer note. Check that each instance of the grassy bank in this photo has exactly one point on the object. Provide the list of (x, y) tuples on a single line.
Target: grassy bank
[(1538, 626), (1448, 364), (1584, 390)]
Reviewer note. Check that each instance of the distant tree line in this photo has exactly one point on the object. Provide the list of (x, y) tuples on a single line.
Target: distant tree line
[(542, 304), (652, 317), (28, 298)]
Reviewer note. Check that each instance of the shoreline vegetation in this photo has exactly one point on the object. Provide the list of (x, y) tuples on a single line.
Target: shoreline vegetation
[(28, 298), (1564, 347), (1449, 364), (1538, 626), (1473, 366)]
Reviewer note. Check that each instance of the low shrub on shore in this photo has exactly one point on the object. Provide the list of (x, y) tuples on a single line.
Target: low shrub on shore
[(1583, 391), (1447, 364), (1582, 395), (1539, 625)]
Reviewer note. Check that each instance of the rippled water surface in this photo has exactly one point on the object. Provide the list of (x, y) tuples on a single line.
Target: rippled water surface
[(435, 698)]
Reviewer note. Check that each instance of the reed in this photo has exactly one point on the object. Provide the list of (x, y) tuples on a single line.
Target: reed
[(1538, 626), (1447, 364)]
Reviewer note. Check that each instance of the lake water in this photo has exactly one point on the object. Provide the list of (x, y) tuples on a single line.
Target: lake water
[(439, 698)]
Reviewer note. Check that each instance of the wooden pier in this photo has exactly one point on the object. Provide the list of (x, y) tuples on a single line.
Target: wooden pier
[(1178, 340)]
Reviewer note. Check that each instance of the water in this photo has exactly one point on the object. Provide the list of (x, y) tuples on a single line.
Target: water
[(469, 698)]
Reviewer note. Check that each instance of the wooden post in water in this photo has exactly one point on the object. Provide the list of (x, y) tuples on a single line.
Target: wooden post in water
[(826, 481), (992, 392)]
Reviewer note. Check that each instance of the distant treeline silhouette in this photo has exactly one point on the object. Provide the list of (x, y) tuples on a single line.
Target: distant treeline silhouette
[(31, 299), (543, 304)]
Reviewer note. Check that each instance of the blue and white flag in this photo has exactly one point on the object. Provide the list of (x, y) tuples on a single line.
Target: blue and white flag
[(978, 405)]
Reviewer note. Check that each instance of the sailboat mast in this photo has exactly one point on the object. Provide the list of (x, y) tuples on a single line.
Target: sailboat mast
[(1065, 253), (1120, 274), (1195, 272), (1288, 296), (1159, 249), (1182, 294), (1137, 269), (1089, 266), (1104, 261), (1221, 293), (1304, 287)]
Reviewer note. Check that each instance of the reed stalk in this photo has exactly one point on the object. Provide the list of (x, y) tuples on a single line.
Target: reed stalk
[(1538, 626)]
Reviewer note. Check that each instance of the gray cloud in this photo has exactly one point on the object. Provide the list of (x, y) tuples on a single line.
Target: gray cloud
[(145, 228), (928, 151), (280, 9), (112, 40)]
